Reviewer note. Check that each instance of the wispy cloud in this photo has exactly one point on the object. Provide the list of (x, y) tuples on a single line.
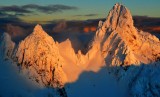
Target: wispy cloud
[(32, 9), (50, 8), (14, 8), (8, 15), (86, 15)]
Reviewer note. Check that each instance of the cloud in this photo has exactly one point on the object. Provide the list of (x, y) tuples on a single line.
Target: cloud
[(14, 8), (86, 15), (32, 8), (3, 14), (9, 19), (15, 31), (13, 13), (49, 8), (8, 15), (60, 27)]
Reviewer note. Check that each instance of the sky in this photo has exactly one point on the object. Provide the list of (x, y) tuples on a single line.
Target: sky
[(51, 10)]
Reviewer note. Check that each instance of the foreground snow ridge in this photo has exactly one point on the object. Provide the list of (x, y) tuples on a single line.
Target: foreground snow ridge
[(122, 61)]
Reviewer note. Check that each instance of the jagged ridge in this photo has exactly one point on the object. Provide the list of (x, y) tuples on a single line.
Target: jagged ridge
[(121, 43), (39, 58)]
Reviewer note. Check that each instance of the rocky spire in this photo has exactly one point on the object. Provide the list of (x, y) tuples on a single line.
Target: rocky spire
[(121, 43), (38, 30), (119, 16), (39, 58)]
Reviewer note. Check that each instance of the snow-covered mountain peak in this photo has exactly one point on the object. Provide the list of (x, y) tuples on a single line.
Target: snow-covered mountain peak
[(38, 27), (121, 43), (119, 16), (39, 35), (39, 58), (39, 30)]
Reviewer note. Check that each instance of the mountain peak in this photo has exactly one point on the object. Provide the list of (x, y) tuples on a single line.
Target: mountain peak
[(119, 9), (38, 27), (119, 38), (119, 16), (42, 62), (39, 30), (117, 4)]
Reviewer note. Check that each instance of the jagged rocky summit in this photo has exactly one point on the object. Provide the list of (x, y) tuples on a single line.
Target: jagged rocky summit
[(39, 58), (121, 43)]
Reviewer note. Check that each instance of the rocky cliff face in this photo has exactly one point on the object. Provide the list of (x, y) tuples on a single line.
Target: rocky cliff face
[(121, 43), (39, 58)]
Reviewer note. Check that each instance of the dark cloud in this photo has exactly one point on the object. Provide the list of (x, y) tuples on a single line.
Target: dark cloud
[(3, 14), (13, 11), (60, 27), (32, 8), (91, 15), (9, 15), (86, 15), (14, 8), (12, 14), (9, 19), (15, 31), (50, 8)]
